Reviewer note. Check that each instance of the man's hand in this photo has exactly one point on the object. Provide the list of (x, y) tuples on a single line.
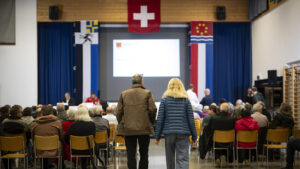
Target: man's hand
[(194, 143), (156, 142)]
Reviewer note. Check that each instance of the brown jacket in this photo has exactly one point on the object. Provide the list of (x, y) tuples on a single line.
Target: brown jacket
[(47, 126), (136, 112)]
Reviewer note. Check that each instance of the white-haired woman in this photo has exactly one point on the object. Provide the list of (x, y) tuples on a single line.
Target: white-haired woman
[(66, 125), (176, 122), (83, 126)]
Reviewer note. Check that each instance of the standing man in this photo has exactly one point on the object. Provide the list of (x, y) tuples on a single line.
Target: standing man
[(194, 99), (249, 98), (68, 99), (257, 96), (136, 114), (207, 100)]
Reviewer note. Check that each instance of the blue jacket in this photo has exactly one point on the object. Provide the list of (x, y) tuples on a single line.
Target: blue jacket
[(175, 116), (206, 101)]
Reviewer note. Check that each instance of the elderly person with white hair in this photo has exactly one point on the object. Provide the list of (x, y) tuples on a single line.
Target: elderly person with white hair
[(83, 126), (261, 119), (66, 125), (207, 100), (221, 122)]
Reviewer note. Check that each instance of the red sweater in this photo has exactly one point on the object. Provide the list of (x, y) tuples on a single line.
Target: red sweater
[(248, 124), (94, 101), (66, 125)]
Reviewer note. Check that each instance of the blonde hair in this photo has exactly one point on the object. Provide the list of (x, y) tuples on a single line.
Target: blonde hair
[(175, 89), (82, 114)]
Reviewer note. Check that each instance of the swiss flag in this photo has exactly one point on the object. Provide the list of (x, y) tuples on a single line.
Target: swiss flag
[(143, 16)]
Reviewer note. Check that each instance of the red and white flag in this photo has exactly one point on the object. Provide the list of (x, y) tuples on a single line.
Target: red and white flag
[(143, 16)]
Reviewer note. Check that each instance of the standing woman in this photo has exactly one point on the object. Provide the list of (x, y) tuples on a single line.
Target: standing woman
[(176, 121)]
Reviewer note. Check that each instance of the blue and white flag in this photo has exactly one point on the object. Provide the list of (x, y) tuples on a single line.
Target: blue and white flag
[(86, 59)]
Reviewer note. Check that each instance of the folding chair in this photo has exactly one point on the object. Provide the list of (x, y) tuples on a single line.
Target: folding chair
[(80, 143), (13, 147), (101, 137), (225, 137), (47, 143), (247, 137), (274, 139)]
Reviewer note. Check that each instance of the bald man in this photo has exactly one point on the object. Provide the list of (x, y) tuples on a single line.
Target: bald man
[(207, 100), (112, 119)]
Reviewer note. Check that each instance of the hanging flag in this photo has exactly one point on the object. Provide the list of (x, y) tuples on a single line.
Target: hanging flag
[(143, 16), (201, 56), (86, 59)]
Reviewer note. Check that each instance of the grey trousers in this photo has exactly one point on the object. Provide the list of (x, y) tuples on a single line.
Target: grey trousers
[(177, 145)]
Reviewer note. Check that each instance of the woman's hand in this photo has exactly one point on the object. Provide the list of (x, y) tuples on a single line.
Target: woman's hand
[(156, 142)]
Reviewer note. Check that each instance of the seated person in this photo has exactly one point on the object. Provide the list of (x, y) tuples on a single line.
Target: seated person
[(246, 123), (207, 100), (212, 111), (112, 119), (221, 122), (205, 112), (47, 125), (93, 99), (61, 112), (237, 111), (292, 146), (68, 99), (83, 126), (249, 97), (265, 111), (14, 123), (284, 118)]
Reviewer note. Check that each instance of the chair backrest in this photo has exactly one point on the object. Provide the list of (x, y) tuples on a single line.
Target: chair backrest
[(120, 140), (14, 144), (247, 136), (197, 126), (80, 142), (297, 133), (15, 135), (46, 143), (112, 132), (101, 137), (224, 136), (278, 135)]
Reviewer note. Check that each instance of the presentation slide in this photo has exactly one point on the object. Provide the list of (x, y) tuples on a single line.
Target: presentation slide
[(150, 57)]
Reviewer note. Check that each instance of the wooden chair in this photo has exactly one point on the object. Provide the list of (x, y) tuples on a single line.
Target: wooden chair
[(80, 143), (274, 139), (247, 137), (101, 137), (112, 133), (47, 143), (296, 133), (225, 137), (15, 147)]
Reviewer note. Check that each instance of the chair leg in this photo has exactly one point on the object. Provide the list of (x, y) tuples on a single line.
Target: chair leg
[(71, 159), (267, 158), (77, 162), (237, 157), (24, 163), (256, 157)]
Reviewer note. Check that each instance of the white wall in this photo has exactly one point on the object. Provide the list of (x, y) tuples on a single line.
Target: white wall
[(18, 63), (276, 39)]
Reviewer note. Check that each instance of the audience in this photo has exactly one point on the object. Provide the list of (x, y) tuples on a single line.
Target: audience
[(14, 123), (222, 100), (84, 126), (221, 122), (177, 109), (27, 117), (212, 111), (47, 125), (237, 112), (239, 102), (284, 118), (265, 111), (62, 115), (205, 112), (257, 96), (112, 119), (66, 125), (4, 112), (261, 119), (246, 123), (207, 100), (96, 115)]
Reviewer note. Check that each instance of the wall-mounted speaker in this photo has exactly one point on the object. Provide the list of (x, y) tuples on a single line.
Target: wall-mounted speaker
[(272, 77), (53, 12), (221, 12)]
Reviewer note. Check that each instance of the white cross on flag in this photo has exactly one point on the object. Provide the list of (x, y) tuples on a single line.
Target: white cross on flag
[(143, 16)]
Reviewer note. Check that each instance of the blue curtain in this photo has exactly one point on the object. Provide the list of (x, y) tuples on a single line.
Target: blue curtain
[(232, 60), (56, 58)]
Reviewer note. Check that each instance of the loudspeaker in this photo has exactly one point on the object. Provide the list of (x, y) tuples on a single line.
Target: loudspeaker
[(272, 77), (221, 12), (53, 12)]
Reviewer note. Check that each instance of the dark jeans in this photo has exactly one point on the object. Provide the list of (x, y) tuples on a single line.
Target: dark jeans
[(131, 144), (292, 146), (220, 152)]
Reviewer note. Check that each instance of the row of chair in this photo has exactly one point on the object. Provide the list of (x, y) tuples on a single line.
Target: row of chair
[(13, 146), (275, 138)]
